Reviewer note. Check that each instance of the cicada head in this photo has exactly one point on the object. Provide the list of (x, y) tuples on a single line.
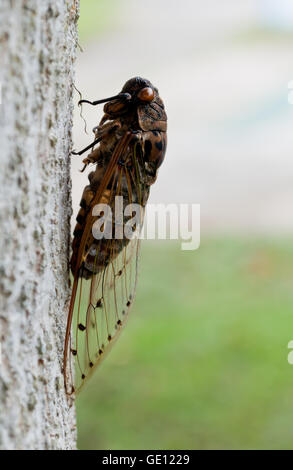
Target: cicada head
[(150, 107), (140, 96)]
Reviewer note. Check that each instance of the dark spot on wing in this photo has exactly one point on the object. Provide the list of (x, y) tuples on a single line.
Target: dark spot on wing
[(159, 145), (99, 303), (83, 204), (78, 233), (81, 327), (147, 148), (80, 218)]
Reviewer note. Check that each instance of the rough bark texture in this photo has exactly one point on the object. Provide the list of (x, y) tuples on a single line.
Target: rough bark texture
[(38, 41)]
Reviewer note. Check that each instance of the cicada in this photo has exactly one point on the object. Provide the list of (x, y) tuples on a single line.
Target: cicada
[(128, 149)]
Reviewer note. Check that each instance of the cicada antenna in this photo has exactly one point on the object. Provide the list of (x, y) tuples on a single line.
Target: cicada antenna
[(120, 96)]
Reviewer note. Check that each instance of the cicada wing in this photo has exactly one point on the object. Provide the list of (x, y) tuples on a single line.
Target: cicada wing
[(103, 297), (101, 309)]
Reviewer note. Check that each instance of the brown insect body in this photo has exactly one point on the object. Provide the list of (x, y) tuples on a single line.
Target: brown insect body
[(132, 144)]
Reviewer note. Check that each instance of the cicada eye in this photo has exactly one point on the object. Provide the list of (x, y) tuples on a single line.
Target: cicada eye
[(146, 94)]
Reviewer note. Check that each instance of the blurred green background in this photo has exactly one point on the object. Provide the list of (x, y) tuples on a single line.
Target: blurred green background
[(202, 363), (95, 18)]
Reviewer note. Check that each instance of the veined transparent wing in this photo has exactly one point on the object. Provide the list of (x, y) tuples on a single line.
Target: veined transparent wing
[(101, 308), (105, 283)]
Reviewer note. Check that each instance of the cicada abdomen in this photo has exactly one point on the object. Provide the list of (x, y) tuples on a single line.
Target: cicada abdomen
[(131, 143)]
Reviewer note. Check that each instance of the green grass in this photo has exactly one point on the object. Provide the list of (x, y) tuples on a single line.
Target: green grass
[(96, 17), (202, 362)]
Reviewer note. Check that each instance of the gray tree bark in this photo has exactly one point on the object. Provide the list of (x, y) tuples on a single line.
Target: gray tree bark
[(37, 50)]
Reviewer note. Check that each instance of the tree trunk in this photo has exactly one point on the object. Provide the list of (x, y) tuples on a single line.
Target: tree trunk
[(38, 41)]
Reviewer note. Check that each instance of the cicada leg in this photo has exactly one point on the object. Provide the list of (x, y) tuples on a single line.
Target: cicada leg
[(100, 133), (93, 157), (102, 130)]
